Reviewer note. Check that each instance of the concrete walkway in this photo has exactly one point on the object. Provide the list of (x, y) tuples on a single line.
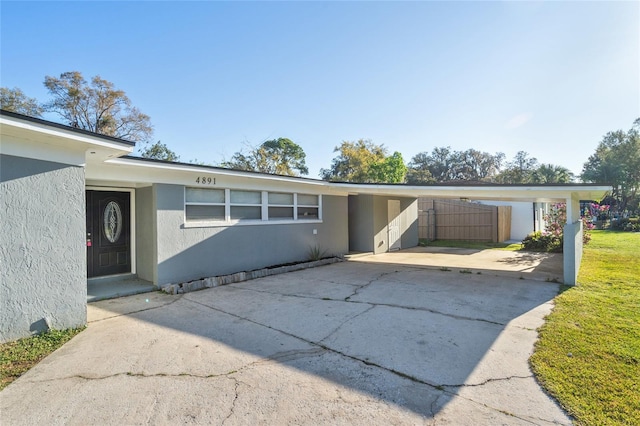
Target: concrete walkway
[(108, 288), (357, 342)]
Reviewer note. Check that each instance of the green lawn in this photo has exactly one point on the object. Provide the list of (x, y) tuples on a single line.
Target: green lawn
[(16, 358), (588, 355)]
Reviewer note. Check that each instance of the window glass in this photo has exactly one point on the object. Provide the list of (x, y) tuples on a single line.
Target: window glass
[(307, 213), (280, 198), (246, 213), (307, 200), (199, 195), (194, 212), (246, 197), (279, 213)]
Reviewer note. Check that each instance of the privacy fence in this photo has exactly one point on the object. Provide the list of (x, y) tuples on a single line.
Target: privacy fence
[(440, 219)]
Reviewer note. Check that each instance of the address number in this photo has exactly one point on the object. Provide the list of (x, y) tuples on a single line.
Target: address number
[(206, 180)]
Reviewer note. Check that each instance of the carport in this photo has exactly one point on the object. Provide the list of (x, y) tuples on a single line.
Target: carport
[(371, 201)]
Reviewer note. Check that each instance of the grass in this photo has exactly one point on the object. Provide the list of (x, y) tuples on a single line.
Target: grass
[(588, 354), (16, 358), (480, 245)]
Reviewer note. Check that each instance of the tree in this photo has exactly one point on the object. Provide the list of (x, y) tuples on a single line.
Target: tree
[(392, 169), (159, 151), (520, 170), (96, 106), (550, 173), (16, 101), (479, 166), (617, 162), (418, 170), (445, 165), (365, 162), (278, 156)]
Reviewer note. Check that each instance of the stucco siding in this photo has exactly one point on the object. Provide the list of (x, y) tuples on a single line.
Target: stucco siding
[(369, 220), (43, 276), (361, 223), (186, 253), (408, 223), (146, 247)]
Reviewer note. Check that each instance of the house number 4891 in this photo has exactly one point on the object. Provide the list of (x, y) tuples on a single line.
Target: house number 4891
[(206, 180)]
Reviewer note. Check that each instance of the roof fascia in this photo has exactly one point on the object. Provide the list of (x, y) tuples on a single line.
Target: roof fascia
[(44, 133)]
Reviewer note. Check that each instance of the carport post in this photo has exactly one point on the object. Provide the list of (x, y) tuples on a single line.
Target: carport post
[(572, 243)]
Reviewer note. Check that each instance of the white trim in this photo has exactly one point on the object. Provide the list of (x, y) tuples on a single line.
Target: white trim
[(264, 207), (28, 148), (220, 171), (43, 128), (132, 221), (219, 224)]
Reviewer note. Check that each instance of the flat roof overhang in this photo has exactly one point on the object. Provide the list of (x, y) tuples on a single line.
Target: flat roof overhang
[(35, 138), (495, 192)]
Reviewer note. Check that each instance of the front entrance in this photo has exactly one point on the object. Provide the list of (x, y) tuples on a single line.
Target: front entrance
[(108, 233)]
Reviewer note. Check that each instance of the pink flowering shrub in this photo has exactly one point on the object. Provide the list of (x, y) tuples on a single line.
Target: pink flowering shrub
[(600, 212), (550, 240)]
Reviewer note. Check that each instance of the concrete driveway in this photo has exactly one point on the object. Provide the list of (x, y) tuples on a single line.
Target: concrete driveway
[(357, 342)]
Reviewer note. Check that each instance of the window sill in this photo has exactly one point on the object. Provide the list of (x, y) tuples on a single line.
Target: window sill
[(224, 224)]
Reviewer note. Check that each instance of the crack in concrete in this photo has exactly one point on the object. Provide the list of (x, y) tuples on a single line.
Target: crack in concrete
[(527, 419), (335, 330), (390, 305), (432, 406), (487, 381), (131, 374), (283, 356), (438, 387), (326, 348), (359, 287), (499, 410), (235, 398), (373, 280), (135, 312)]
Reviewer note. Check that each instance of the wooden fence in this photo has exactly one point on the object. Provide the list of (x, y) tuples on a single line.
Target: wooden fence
[(462, 220)]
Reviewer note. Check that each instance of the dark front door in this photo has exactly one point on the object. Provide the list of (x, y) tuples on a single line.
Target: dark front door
[(108, 233)]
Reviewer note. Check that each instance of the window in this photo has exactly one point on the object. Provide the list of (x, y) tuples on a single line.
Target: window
[(252, 207), (280, 206), (308, 207), (246, 205), (204, 204)]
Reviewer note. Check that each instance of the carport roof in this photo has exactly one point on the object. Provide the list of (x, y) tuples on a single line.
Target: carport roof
[(503, 192)]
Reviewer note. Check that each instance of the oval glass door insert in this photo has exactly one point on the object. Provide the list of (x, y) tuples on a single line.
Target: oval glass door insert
[(112, 221)]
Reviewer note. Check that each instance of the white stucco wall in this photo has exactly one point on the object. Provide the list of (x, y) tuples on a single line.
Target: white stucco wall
[(521, 217)]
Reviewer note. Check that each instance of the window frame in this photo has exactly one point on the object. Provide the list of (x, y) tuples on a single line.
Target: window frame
[(204, 203), (264, 209)]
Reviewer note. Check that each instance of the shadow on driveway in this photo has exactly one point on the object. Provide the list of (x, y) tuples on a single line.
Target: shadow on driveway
[(358, 342)]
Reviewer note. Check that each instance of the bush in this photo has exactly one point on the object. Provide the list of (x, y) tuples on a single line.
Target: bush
[(537, 241), (631, 224)]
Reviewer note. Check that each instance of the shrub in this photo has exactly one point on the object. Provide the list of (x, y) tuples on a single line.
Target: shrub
[(551, 239), (631, 224), (538, 241)]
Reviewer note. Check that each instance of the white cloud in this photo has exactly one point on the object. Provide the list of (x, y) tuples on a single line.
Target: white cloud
[(518, 120)]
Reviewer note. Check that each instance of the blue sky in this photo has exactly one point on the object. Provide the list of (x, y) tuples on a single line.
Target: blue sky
[(547, 78)]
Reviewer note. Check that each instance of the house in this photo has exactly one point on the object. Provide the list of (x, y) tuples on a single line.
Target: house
[(75, 205)]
